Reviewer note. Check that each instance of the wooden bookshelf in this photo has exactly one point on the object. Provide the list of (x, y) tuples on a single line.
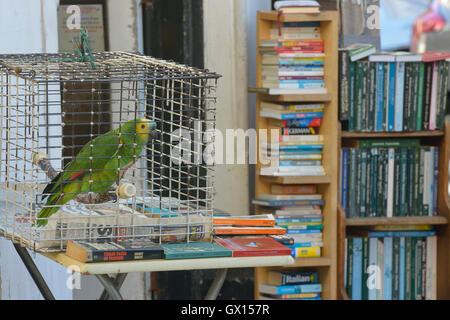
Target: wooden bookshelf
[(438, 138), (327, 185)]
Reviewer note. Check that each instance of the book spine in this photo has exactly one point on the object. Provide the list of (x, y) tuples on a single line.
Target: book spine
[(420, 96), (387, 283), (426, 181), (410, 180), (365, 96), (363, 183), (344, 85), (434, 93), (365, 267), (427, 95), (418, 269), (357, 269), (390, 183), (402, 269), (374, 183), (391, 97), (373, 281), (372, 96), (431, 182), (352, 95), (403, 182), (415, 97), (407, 95), (420, 203), (358, 185), (399, 90), (379, 101), (344, 188), (413, 279), (395, 267), (408, 265), (353, 183), (380, 265), (435, 181), (380, 181), (350, 268), (416, 183), (359, 88)]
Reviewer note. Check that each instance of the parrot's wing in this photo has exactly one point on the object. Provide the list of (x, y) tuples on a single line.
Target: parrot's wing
[(94, 155)]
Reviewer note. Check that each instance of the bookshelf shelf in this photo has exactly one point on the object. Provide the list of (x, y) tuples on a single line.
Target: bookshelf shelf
[(327, 185), (381, 221), (297, 180), (415, 134)]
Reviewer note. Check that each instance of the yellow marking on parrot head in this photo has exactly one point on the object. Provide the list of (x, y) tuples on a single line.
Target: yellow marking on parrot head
[(144, 126)]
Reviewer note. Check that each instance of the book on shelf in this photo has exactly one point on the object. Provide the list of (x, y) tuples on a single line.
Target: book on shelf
[(103, 251), (227, 230), (357, 51), (294, 296), (397, 179), (297, 6), (393, 92), (288, 203), (290, 289), (394, 267), (254, 246), (194, 250), (268, 196), (293, 189), (249, 220), (281, 278)]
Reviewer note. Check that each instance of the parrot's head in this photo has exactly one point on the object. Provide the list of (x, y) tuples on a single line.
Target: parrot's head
[(143, 129)]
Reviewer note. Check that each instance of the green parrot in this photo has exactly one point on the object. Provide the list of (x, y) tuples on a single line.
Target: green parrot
[(98, 165)]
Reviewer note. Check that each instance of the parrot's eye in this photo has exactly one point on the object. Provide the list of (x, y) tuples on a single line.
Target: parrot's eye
[(143, 126)]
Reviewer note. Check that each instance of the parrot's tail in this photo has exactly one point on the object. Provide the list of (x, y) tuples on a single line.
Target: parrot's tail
[(50, 209)]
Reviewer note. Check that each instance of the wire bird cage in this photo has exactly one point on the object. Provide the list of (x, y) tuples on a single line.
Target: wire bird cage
[(53, 106)]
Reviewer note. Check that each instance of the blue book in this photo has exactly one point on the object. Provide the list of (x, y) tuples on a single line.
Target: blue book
[(288, 203), (306, 24), (379, 99), (299, 245), (344, 179), (402, 270), (303, 85), (299, 123), (357, 269), (373, 276), (301, 115), (195, 250), (391, 97), (399, 90), (290, 289), (298, 220), (300, 68), (387, 277), (301, 147), (300, 163), (300, 81), (292, 62), (384, 234)]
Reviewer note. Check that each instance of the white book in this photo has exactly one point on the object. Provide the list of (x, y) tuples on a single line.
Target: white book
[(291, 107), (266, 196), (300, 55), (317, 73), (380, 265), (373, 280), (302, 138), (390, 184), (431, 269), (399, 88), (434, 97), (300, 169), (295, 3)]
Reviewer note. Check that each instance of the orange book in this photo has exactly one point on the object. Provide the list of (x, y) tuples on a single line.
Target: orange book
[(257, 220), (294, 189), (249, 230)]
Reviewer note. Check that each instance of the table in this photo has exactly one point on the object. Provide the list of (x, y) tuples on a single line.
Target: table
[(121, 268)]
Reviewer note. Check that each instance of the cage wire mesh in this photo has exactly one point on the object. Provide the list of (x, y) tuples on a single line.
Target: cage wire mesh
[(123, 187)]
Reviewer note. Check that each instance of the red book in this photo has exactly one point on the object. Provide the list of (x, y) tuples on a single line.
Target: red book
[(432, 56), (301, 43), (251, 247)]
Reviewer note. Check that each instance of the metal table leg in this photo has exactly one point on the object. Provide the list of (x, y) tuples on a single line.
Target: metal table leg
[(108, 283), (34, 272), (118, 282), (217, 284)]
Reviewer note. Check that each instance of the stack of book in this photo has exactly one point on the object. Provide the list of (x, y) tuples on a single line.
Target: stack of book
[(297, 149), (391, 265), (292, 60), (393, 91), (297, 285), (297, 210), (297, 6), (389, 178)]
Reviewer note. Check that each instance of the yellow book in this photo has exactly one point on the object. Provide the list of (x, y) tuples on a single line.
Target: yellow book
[(307, 252)]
